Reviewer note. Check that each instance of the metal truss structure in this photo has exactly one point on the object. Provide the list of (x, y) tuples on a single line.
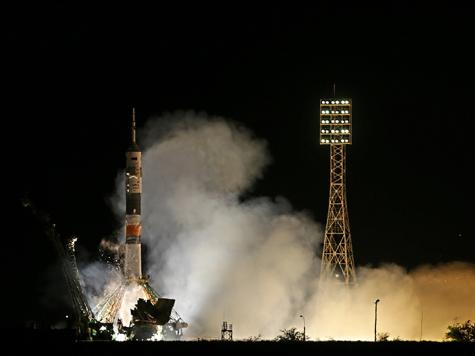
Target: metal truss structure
[(335, 131)]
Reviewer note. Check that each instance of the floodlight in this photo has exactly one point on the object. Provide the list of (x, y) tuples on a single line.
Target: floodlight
[(334, 131)]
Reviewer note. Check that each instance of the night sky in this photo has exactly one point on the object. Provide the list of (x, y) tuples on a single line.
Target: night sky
[(72, 75)]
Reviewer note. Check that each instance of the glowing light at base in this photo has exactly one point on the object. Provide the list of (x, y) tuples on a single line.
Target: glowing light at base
[(132, 294)]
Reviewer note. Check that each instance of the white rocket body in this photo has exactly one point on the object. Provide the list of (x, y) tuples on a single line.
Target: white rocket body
[(133, 225)]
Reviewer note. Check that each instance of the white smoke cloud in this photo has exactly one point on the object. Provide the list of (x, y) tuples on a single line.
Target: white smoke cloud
[(99, 280), (413, 305), (255, 262), (218, 256)]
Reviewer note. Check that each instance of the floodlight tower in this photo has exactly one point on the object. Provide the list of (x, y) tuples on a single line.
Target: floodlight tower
[(335, 131)]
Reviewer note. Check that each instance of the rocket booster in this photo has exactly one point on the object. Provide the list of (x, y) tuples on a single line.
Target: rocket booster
[(133, 195)]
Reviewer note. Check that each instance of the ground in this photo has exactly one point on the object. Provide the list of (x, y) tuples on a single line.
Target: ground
[(62, 342)]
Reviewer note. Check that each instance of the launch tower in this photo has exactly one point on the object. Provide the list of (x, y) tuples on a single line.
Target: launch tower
[(335, 131)]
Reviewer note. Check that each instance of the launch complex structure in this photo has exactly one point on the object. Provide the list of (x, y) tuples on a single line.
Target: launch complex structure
[(337, 255), (336, 131), (153, 310), (107, 311)]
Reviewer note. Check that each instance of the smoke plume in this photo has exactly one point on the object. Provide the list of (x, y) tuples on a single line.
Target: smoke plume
[(416, 305), (254, 262), (221, 258)]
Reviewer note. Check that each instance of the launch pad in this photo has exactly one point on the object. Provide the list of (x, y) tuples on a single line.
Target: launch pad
[(107, 311), (160, 310), (151, 310)]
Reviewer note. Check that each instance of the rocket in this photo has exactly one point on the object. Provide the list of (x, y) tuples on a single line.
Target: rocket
[(133, 196)]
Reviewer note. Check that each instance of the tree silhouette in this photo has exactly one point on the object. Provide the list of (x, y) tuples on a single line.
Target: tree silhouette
[(291, 335), (384, 336), (254, 338), (461, 332)]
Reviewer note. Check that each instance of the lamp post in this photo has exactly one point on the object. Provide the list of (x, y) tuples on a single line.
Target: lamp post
[(422, 316), (375, 316), (303, 326)]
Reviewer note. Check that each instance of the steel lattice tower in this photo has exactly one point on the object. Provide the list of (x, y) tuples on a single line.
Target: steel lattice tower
[(335, 131)]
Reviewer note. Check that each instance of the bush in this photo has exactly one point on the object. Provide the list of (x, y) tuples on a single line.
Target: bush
[(254, 338), (461, 332), (291, 335)]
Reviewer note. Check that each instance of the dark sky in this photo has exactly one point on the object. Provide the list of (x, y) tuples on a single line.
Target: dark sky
[(73, 74)]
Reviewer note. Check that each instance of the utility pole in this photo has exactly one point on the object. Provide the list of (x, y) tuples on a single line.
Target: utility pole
[(304, 338), (422, 317), (375, 316)]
